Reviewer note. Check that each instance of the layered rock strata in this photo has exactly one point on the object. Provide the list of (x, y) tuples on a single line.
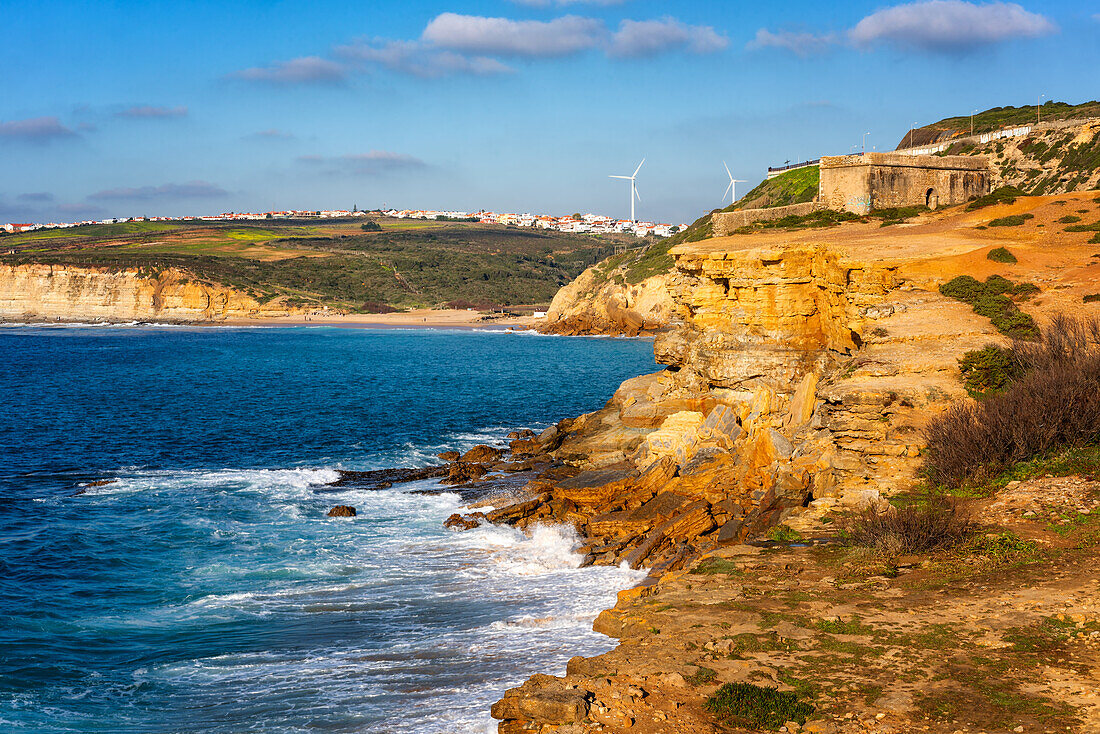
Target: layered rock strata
[(35, 292), (599, 303)]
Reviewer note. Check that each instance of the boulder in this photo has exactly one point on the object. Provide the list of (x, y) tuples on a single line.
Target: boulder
[(458, 522), (449, 456), (521, 433), (462, 472), (596, 486), (543, 699), (525, 447), (482, 454), (342, 511)]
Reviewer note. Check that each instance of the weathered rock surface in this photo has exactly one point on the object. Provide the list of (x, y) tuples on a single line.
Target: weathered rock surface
[(72, 293), (596, 303), (342, 511)]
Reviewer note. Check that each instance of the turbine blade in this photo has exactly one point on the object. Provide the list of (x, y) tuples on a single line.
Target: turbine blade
[(639, 167), (727, 170), (626, 177), (728, 187), (637, 194)]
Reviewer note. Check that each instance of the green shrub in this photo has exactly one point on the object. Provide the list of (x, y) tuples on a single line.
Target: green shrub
[(1054, 405), (757, 707), (988, 370), (702, 676), (1084, 228), (1091, 298), (371, 226), (1003, 195), (1013, 220), (929, 524), (991, 300), (1069, 219), (1001, 255)]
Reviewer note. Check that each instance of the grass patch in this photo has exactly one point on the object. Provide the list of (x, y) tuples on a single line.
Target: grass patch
[(745, 704), (793, 187), (712, 566), (784, 534), (1001, 255), (702, 676), (1014, 220), (992, 299)]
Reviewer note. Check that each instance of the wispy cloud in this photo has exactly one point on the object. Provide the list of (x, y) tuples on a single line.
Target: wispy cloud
[(36, 197), (188, 190), (271, 134), (799, 43), (522, 38), (937, 26), (419, 59), (35, 130), (374, 163), (149, 112), (453, 43), (636, 38), (303, 70), (81, 211)]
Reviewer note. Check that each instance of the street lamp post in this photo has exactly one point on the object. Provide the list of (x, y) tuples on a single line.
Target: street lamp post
[(863, 144), (1038, 110)]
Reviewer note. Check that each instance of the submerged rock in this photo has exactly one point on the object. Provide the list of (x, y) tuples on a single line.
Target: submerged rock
[(380, 478), (342, 511)]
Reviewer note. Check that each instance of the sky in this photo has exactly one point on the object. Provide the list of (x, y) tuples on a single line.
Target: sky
[(167, 108)]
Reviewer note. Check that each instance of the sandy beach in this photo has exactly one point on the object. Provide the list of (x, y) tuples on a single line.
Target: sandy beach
[(424, 317)]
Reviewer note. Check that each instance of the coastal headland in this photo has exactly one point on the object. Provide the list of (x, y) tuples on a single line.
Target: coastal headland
[(802, 367)]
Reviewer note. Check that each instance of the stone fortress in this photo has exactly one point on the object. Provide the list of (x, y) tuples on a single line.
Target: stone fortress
[(866, 181)]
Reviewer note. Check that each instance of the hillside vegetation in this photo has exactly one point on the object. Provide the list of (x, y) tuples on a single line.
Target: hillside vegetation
[(334, 263), (995, 119)]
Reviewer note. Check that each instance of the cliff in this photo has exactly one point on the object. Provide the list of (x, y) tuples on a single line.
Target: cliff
[(626, 294), (800, 371), (35, 292)]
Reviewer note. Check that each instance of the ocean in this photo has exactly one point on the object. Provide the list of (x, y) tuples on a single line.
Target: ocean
[(196, 584)]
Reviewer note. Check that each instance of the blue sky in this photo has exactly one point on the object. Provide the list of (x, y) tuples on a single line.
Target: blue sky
[(125, 108)]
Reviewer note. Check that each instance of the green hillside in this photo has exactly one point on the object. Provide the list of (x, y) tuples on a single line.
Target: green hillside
[(995, 119), (335, 262)]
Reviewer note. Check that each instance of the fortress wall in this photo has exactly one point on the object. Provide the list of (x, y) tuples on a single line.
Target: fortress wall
[(860, 183), (723, 223)]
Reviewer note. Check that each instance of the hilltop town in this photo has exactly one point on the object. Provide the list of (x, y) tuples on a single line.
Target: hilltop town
[(574, 224)]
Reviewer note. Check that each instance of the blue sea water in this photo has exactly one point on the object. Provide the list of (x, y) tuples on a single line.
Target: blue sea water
[(204, 589)]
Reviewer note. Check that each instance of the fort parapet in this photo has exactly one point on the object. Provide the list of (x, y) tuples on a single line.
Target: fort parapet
[(860, 183)]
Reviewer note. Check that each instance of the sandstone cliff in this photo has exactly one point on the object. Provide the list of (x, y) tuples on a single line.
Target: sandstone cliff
[(801, 368), (55, 292), (626, 294)]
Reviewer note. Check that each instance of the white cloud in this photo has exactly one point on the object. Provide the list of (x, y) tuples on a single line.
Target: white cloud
[(476, 34), (798, 43), (420, 59), (303, 70), (949, 25), (637, 38)]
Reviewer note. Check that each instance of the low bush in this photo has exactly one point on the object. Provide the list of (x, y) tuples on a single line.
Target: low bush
[(1084, 227), (371, 227), (1013, 220), (1054, 404), (757, 707), (1069, 219), (933, 523), (1091, 298), (1003, 195), (988, 371), (1001, 255), (994, 300)]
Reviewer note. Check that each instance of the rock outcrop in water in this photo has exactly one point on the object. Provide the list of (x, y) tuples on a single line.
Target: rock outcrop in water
[(35, 292), (597, 302)]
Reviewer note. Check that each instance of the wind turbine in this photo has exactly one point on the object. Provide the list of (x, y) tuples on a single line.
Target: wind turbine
[(633, 188), (732, 188)]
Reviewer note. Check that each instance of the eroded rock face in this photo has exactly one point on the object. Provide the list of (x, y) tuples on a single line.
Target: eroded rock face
[(595, 304), (42, 291)]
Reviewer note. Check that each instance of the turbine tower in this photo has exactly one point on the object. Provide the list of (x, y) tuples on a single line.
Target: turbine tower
[(633, 188), (732, 188)]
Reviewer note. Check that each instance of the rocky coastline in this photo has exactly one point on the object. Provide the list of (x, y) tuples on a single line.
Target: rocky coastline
[(798, 377)]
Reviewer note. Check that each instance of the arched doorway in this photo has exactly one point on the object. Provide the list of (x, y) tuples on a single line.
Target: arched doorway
[(931, 199)]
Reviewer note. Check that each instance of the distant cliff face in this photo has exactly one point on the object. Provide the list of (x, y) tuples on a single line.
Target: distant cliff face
[(68, 293), (593, 304)]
